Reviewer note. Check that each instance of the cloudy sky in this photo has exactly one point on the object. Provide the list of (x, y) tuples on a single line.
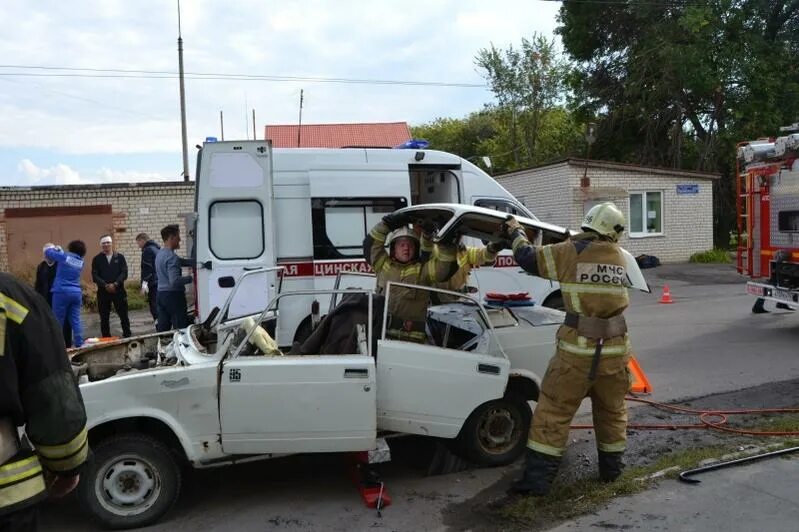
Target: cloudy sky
[(98, 101)]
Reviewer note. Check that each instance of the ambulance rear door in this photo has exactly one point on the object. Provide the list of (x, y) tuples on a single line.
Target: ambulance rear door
[(235, 225)]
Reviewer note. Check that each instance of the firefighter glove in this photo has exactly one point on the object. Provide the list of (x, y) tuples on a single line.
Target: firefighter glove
[(395, 220), (496, 247), (429, 227), (510, 226)]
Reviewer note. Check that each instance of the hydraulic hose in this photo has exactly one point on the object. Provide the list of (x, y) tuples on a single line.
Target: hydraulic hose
[(709, 419)]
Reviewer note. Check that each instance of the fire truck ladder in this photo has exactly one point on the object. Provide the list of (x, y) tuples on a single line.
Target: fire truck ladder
[(743, 207)]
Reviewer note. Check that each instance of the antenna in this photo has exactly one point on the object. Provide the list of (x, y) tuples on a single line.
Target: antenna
[(246, 119), (299, 126)]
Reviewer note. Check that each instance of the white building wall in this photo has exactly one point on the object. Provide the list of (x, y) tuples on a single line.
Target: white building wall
[(554, 194)]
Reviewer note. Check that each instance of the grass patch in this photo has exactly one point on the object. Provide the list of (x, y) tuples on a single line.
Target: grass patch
[(715, 256), (774, 423), (136, 300), (587, 495)]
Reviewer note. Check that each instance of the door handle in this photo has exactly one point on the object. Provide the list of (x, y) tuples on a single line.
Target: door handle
[(251, 268), (488, 368), (356, 373)]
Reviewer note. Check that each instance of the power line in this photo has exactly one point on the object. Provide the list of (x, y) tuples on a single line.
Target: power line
[(73, 72)]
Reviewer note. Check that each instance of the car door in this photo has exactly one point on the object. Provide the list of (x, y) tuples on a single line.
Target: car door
[(297, 404), (431, 390), (235, 224), (484, 224)]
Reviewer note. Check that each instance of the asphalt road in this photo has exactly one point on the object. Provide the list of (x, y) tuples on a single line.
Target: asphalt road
[(706, 342)]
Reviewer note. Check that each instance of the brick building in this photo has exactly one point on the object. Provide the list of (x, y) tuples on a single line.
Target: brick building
[(669, 212), (33, 216)]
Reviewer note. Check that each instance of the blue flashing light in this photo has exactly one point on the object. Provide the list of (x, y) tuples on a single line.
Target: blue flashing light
[(413, 144), (210, 139)]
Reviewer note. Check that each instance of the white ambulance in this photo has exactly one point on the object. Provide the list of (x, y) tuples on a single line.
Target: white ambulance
[(309, 210)]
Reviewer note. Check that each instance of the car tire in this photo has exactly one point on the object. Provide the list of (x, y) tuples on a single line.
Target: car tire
[(555, 301), (131, 481), (495, 433)]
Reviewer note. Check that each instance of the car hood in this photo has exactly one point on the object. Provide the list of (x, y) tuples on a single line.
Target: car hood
[(482, 223)]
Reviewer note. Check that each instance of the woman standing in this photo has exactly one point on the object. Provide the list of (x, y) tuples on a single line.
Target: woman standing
[(67, 296)]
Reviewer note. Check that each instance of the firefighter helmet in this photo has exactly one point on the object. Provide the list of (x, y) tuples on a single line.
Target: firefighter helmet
[(605, 219), (403, 232)]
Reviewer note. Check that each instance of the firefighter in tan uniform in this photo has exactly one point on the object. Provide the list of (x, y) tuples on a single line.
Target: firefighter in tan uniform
[(592, 345), (407, 307), (467, 258), (37, 390)]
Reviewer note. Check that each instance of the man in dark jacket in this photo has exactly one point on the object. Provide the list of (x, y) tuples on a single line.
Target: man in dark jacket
[(149, 280), (37, 390), (45, 276), (109, 272)]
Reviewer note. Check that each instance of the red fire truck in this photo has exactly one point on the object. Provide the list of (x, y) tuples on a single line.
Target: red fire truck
[(768, 216)]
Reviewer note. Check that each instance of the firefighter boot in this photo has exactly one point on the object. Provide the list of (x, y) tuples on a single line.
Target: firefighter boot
[(539, 472), (610, 466)]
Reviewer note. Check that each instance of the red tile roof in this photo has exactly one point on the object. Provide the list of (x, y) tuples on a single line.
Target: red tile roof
[(388, 134)]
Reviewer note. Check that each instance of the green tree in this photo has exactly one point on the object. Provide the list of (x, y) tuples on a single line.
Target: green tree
[(677, 83), (486, 133), (527, 83)]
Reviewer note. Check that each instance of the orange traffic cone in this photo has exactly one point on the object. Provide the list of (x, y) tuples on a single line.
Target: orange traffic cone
[(666, 297)]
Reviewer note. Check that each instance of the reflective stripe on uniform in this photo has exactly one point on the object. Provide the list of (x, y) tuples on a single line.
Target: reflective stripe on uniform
[(544, 448), (412, 270), (609, 350), (13, 310), (585, 288), (380, 264), (520, 240), (446, 256), (67, 456), (22, 490), (16, 471), (377, 235), (618, 447), (549, 263)]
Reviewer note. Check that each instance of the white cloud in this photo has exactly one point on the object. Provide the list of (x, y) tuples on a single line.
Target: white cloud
[(380, 39), (62, 174)]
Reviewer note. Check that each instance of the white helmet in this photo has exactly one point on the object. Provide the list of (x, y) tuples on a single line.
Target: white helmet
[(605, 219), (402, 232)]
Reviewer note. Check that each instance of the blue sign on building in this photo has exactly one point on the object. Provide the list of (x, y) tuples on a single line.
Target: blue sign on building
[(687, 189)]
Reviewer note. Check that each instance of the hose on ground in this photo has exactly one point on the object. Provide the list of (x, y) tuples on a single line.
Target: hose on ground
[(709, 419)]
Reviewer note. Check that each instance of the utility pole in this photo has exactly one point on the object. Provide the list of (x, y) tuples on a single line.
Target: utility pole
[(182, 103), (222, 124), (299, 126), (253, 125)]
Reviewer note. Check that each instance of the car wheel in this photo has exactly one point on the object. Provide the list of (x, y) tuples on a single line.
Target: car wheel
[(555, 301), (132, 481), (496, 432)]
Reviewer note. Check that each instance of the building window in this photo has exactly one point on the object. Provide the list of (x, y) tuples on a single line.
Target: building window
[(236, 229), (341, 224), (646, 214)]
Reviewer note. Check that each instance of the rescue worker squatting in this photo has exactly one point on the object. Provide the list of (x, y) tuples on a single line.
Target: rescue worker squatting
[(407, 307), (37, 390), (592, 345)]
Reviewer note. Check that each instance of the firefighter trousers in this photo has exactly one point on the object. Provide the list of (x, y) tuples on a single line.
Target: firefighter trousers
[(564, 387)]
